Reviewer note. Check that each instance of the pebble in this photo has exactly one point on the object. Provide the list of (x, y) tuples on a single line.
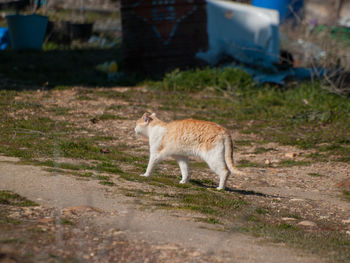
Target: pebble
[(46, 220), (291, 155), (307, 223), (6, 249), (288, 219), (347, 221), (348, 233), (296, 200)]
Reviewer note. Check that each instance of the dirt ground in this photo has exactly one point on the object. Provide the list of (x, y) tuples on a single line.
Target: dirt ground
[(102, 224)]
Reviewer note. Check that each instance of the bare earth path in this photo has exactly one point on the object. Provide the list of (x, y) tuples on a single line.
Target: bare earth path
[(167, 238)]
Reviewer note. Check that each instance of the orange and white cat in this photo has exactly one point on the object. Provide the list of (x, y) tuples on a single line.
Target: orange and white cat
[(184, 138)]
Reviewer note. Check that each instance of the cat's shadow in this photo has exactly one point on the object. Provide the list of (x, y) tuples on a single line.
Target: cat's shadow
[(237, 191)]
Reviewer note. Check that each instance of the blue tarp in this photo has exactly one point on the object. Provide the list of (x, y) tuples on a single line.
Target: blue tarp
[(4, 38), (281, 76)]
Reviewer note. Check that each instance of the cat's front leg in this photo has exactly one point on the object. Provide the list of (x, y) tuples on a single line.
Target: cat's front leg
[(153, 160)]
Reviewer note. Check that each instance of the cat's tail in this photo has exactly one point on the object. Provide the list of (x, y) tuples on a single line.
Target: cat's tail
[(229, 156)]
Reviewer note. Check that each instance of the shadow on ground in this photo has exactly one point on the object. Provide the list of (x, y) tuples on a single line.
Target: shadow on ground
[(228, 189), (48, 69)]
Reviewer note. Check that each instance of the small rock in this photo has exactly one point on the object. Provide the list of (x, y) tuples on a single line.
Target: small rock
[(347, 221), (345, 184), (105, 150), (348, 233), (6, 249), (75, 210), (267, 162), (46, 220), (288, 219), (195, 254), (291, 155), (296, 200), (94, 120), (167, 247), (307, 223)]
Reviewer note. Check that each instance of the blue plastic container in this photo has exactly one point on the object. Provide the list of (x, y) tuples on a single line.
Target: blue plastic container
[(284, 7), (4, 38), (27, 31)]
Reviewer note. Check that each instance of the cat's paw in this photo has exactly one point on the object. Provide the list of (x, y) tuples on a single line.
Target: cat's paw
[(144, 175), (219, 188), (182, 182)]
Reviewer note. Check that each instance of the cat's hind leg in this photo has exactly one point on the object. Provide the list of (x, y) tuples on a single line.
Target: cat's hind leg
[(223, 175), (216, 162), (184, 167)]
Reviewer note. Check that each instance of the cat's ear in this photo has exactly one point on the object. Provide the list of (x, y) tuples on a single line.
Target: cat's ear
[(147, 117)]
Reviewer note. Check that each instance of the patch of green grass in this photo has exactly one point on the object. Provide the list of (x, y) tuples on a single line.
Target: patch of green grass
[(110, 116), (290, 163), (342, 151), (346, 195), (86, 175), (13, 199), (261, 211), (211, 203), (105, 180), (30, 138), (318, 157), (156, 179), (115, 107), (261, 150), (199, 164), (63, 165), (246, 163), (285, 226), (209, 220), (109, 183), (109, 168), (199, 79), (59, 111), (335, 246), (205, 182), (316, 175), (65, 221), (11, 241), (243, 142), (345, 159), (135, 192), (103, 177), (8, 220)]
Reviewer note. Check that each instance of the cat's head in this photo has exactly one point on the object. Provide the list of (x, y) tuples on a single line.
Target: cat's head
[(143, 122)]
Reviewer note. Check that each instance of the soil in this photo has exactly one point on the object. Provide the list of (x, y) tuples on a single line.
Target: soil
[(107, 226)]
